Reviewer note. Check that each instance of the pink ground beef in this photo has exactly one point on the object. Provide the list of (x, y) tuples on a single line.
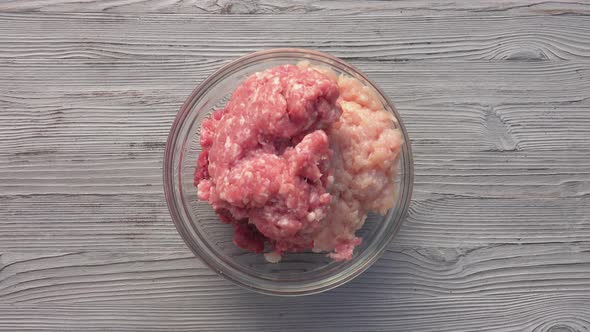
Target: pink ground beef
[(265, 160), (297, 159)]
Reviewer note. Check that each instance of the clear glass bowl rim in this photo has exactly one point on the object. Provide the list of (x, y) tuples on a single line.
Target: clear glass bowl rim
[(356, 266)]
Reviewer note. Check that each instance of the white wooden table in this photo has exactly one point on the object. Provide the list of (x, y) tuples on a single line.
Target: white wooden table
[(496, 98)]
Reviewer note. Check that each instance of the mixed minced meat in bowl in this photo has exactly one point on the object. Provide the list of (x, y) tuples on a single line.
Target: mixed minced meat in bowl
[(297, 159)]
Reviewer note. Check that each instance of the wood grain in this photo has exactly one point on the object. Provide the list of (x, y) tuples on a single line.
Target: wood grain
[(535, 313), (134, 223), (403, 7), (127, 278), (528, 287), (371, 36), (495, 98)]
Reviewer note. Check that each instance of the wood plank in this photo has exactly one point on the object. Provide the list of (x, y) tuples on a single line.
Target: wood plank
[(177, 277), (139, 222), (533, 312), (366, 36), (403, 7), (148, 84), (512, 287), (136, 222), (65, 223)]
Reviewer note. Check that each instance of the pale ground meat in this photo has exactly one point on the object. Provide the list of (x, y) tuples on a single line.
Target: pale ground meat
[(297, 159), (366, 147)]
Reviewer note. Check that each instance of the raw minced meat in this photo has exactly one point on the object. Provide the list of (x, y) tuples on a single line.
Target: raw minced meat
[(366, 145), (266, 157), (297, 159)]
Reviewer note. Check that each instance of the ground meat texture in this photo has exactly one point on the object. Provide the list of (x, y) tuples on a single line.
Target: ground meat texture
[(266, 159), (366, 145), (297, 159)]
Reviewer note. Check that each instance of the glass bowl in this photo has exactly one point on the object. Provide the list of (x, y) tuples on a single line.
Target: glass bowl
[(297, 273)]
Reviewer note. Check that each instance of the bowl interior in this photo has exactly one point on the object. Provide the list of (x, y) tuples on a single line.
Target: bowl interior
[(212, 240)]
